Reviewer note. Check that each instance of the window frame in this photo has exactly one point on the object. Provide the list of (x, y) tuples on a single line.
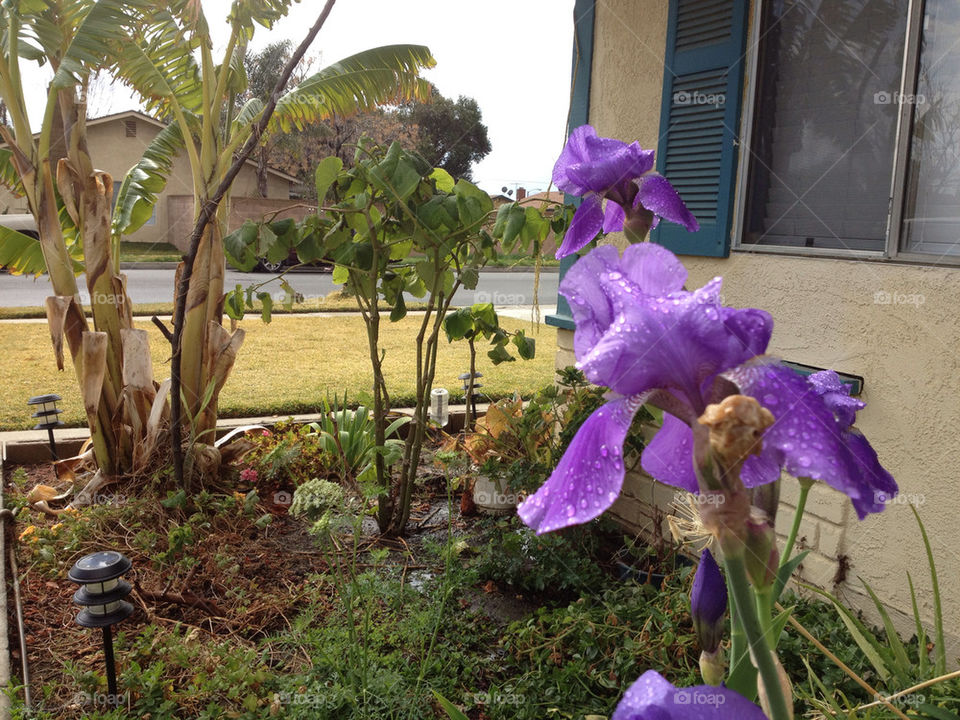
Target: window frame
[(899, 160)]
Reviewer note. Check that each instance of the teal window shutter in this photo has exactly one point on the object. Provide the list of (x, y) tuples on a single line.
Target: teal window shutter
[(699, 119), (583, 22)]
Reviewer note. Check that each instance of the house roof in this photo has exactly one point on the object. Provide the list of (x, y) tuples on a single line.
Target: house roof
[(138, 115)]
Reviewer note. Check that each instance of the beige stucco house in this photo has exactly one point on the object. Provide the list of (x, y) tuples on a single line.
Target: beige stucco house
[(116, 144), (817, 144)]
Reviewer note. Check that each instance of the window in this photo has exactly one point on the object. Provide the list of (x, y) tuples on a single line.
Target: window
[(855, 129)]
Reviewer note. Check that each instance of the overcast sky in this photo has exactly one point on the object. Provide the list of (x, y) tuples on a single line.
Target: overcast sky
[(512, 56)]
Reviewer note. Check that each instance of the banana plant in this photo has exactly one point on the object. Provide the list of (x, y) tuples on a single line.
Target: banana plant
[(71, 202), (166, 55), (171, 66)]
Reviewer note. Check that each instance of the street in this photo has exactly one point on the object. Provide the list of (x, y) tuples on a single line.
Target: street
[(156, 286)]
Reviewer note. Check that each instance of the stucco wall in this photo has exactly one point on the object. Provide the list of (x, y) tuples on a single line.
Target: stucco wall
[(828, 313)]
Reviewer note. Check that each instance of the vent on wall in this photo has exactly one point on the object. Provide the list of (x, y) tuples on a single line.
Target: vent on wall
[(130, 125)]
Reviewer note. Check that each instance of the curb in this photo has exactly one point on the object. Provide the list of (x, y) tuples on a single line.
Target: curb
[(30, 447)]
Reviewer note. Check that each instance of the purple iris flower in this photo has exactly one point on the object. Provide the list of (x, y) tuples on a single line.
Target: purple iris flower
[(708, 602), (599, 169), (652, 697), (640, 333)]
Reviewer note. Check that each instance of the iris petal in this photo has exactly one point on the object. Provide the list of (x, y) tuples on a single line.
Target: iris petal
[(657, 195), (589, 304), (653, 268), (669, 456), (584, 227), (652, 697), (613, 217), (588, 478), (807, 439)]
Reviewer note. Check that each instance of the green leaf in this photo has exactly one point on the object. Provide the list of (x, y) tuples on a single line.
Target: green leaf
[(359, 82), (395, 176), (233, 303), (177, 500), (861, 635), (485, 315), (785, 571), (20, 254), (902, 664), (936, 713), (399, 310), (940, 650), (473, 204), (444, 180), (340, 275), (145, 181), (449, 708), (469, 278), (289, 294), (526, 347), (239, 245), (266, 301), (327, 172), (400, 250), (458, 323), (499, 355)]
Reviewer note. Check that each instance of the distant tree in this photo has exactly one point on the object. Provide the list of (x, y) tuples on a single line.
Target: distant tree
[(451, 133), (263, 69)]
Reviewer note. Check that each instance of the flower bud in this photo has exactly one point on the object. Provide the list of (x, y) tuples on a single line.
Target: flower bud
[(708, 603), (761, 555), (713, 666), (785, 687)]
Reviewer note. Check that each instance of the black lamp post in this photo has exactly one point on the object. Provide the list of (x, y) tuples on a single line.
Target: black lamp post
[(48, 417), (470, 393), (102, 594)]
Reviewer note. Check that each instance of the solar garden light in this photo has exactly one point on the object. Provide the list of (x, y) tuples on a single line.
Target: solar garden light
[(470, 394), (102, 594), (48, 417), (440, 406)]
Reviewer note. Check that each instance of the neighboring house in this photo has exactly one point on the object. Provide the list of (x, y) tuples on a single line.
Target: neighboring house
[(116, 143), (818, 145)]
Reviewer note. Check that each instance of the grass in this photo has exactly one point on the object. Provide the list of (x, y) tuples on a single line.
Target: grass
[(149, 252), (287, 366)]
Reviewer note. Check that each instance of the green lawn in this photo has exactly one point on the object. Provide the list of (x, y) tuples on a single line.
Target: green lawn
[(288, 366), (149, 252)]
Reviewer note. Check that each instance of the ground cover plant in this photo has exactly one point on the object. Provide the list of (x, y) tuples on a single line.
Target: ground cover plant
[(294, 380)]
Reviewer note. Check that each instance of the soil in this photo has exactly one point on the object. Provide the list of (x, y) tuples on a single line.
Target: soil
[(270, 578)]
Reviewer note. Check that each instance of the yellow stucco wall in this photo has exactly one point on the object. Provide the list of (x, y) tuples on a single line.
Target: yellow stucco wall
[(826, 315)]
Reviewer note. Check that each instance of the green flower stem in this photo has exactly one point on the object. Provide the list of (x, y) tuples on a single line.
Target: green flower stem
[(738, 639), (760, 650), (805, 485)]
